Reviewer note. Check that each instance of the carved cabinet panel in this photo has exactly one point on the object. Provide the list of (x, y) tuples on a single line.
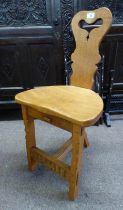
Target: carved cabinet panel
[(31, 49), (23, 12), (9, 65), (42, 61), (11, 76), (116, 6)]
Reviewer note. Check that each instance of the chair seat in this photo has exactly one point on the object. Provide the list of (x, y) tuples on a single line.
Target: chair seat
[(77, 105)]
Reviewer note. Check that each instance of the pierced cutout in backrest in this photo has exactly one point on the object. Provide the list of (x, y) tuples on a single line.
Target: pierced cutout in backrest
[(86, 55)]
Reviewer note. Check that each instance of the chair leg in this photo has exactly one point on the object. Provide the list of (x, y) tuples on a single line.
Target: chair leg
[(30, 136), (86, 142), (77, 153)]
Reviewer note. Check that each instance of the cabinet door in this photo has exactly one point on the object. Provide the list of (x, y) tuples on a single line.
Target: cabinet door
[(31, 49), (43, 49), (11, 77)]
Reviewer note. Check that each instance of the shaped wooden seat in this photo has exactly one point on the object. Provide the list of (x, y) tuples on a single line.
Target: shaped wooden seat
[(69, 107), (66, 102)]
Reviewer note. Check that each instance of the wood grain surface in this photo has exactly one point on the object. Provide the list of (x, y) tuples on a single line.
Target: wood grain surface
[(86, 55), (75, 104)]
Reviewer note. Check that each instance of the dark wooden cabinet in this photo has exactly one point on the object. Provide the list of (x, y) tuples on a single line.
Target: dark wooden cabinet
[(36, 43), (31, 47), (113, 74)]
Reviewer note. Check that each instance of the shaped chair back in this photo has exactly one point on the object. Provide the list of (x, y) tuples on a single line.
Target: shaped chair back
[(86, 55)]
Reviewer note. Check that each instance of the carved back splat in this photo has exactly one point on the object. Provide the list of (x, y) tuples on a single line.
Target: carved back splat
[(86, 55)]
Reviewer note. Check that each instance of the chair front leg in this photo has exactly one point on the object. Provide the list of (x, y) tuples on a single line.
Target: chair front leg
[(77, 153), (30, 136)]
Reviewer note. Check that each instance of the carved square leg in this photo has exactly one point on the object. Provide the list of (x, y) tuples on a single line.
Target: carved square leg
[(77, 153), (30, 136)]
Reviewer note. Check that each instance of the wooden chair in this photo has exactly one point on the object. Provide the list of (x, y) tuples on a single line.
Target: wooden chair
[(69, 107)]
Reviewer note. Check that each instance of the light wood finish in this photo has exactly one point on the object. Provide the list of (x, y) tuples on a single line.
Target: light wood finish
[(68, 107), (77, 153), (86, 55), (50, 162), (63, 151), (67, 147), (74, 104), (56, 121), (30, 137)]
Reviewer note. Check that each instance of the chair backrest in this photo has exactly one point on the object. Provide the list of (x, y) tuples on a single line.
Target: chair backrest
[(86, 54)]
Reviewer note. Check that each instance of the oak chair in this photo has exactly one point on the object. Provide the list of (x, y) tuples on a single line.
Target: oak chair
[(71, 107)]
